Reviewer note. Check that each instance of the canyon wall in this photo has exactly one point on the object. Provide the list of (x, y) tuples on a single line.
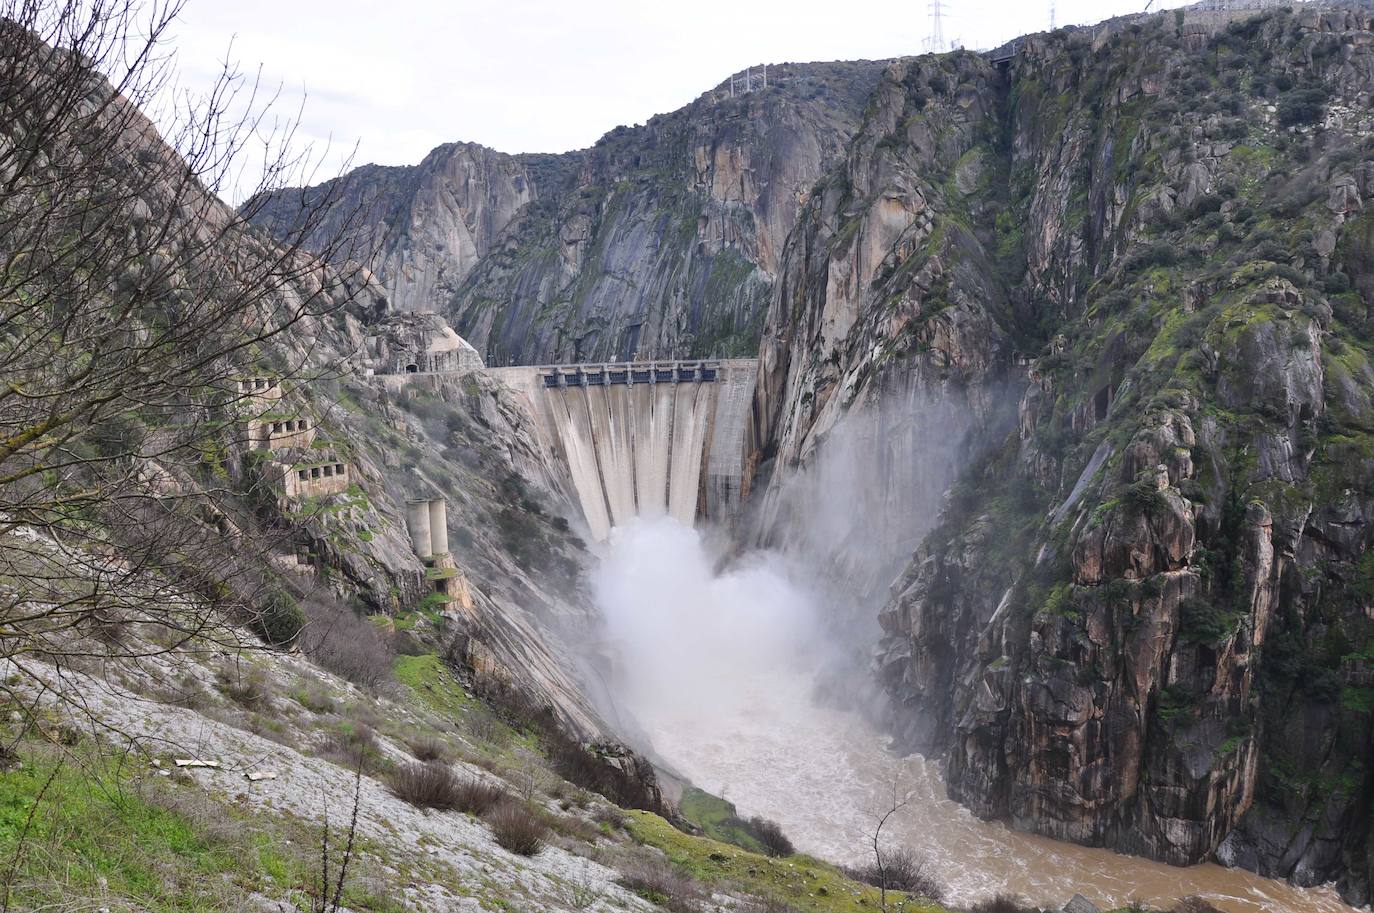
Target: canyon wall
[(272, 460), (1094, 321), (1142, 618)]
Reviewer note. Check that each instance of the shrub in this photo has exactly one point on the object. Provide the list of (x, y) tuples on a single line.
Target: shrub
[(278, 620), (573, 827), (251, 690), (272, 729), (112, 627), (1204, 623), (1302, 106), (1158, 254), (354, 745), (316, 700), (517, 829), (1175, 703), (429, 749), (426, 785), (1205, 205), (486, 728), (660, 882), (340, 640), (478, 797), (770, 904), (610, 816), (1336, 283), (528, 777), (900, 871), (770, 834), (1143, 496), (1002, 903)]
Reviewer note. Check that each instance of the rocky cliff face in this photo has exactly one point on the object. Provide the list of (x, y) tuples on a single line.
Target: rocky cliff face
[(886, 323), (662, 239), (522, 599), (422, 229), (1142, 619)]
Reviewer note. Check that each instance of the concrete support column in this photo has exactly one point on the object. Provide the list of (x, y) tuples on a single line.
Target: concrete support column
[(438, 526), (417, 522)]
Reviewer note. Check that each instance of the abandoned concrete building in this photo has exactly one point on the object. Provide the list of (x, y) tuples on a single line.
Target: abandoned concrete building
[(298, 467), (297, 470), (312, 476), (256, 390), (275, 433)]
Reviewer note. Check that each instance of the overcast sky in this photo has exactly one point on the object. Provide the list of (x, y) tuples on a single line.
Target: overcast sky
[(398, 78)]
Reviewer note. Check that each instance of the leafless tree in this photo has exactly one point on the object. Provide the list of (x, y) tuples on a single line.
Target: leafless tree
[(133, 303), (881, 858)]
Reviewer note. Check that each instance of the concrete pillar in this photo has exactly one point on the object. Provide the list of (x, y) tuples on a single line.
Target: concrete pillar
[(438, 526), (417, 522)]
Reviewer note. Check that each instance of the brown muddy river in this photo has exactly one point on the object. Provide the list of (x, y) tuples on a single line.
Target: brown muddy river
[(718, 669), (823, 775)]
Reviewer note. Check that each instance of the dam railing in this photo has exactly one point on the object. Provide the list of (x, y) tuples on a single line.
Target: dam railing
[(629, 373)]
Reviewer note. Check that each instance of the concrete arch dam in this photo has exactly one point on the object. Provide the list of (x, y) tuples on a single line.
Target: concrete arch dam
[(644, 438)]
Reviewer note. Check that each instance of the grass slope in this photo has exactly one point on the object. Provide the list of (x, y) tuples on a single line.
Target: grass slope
[(805, 883)]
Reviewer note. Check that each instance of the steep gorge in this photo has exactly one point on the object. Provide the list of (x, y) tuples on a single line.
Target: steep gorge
[(1125, 278), (1142, 620)]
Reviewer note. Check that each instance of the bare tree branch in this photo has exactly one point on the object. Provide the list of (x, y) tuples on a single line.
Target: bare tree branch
[(133, 303)]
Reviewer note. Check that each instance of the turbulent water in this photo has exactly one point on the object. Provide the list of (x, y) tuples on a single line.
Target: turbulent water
[(720, 672)]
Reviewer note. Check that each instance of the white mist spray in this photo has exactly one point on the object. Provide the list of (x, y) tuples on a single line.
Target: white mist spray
[(720, 669), (695, 647)]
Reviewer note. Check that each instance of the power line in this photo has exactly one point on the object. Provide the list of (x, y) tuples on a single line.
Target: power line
[(937, 26), (1053, 24)]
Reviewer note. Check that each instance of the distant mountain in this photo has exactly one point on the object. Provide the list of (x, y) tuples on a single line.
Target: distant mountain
[(662, 239)]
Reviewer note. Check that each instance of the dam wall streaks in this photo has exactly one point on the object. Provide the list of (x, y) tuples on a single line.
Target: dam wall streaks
[(644, 438)]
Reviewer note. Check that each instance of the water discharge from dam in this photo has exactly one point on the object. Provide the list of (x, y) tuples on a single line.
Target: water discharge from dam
[(720, 671)]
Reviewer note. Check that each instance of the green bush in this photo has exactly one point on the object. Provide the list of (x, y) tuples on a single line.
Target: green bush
[(279, 620), (1302, 106), (1144, 496), (1174, 703), (1202, 622), (1336, 283), (1358, 700)]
